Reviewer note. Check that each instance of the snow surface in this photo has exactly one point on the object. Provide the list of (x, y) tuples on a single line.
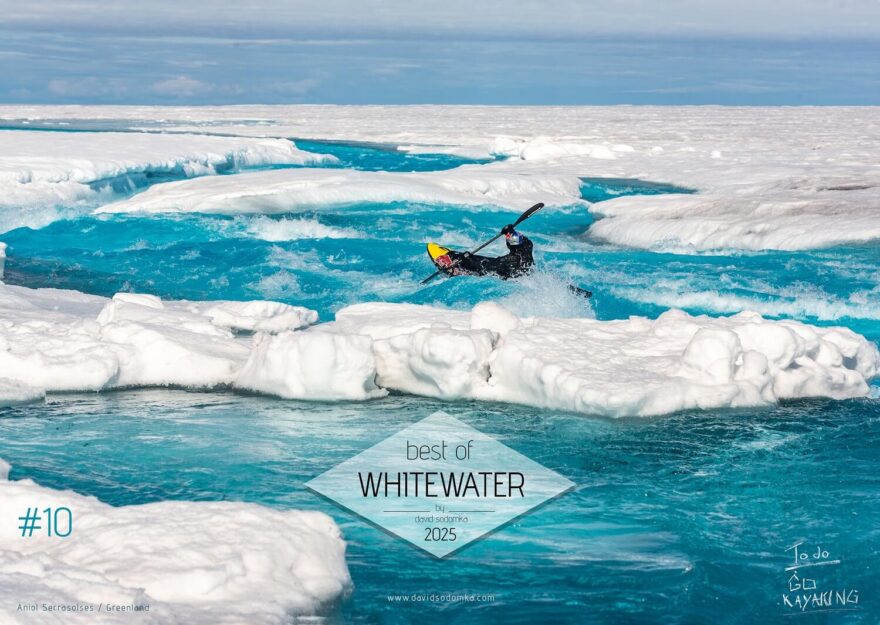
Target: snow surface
[(768, 178), (12, 392), (281, 191), (801, 219), (57, 340), (295, 365), (40, 171), (54, 340), (633, 367), (192, 562)]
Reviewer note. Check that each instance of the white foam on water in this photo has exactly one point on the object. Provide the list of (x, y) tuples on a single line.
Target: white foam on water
[(799, 301), (457, 239), (767, 440), (546, 293), (291, 229), (281, 284), (358, 282)]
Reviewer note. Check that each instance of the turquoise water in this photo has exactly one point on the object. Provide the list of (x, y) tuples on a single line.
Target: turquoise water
[(680, 519), (366, 157), (380, 256), (383, 157), (683, 519)]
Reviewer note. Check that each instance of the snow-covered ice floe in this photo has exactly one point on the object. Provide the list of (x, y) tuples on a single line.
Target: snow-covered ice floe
[(281, 191), (40, 170), (190, 562), (53, 340), (56, 340), (632, 367), (788, 220)]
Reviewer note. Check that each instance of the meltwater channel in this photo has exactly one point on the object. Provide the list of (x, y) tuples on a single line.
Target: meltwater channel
[(679, 519)]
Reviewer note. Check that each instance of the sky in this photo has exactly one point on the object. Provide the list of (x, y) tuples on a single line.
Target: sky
[(746, 52)]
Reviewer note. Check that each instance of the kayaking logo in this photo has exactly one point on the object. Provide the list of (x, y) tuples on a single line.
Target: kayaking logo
[(440, 484)]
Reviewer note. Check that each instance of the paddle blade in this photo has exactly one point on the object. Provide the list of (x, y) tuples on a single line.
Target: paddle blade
[(534, 209)]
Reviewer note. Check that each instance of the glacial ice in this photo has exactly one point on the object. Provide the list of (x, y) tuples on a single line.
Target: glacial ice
[(54, 340), (44, 170), (632, 367), (287, 190), (768, 178), (191, 562), (305, 365), (784, 220), (12, 392)]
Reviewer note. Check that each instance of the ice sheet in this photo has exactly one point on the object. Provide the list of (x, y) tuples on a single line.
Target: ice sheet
[(768, 178)]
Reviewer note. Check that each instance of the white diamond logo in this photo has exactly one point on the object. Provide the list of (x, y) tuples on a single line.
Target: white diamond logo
[(440, 484)]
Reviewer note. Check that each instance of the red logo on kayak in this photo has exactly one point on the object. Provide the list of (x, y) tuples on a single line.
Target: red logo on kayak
[(444, 261)]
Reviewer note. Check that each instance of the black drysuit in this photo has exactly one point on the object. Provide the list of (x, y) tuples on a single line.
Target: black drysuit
[(516, 263)]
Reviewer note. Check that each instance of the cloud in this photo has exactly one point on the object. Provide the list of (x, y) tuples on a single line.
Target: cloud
[(456, 18), (393, 68), (751, 86), (296, 87), (182, 87), (192, 63), (741, 86), (89, 87)]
